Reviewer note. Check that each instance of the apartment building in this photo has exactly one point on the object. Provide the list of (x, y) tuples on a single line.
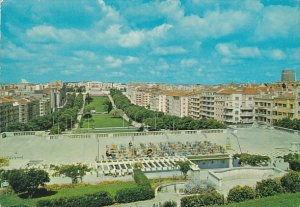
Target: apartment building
[(297, 94), (162, 103), (177, 103), (235, 106), (28, 109), (44, 106), (264, 108), (207, 103), (98, 88), (194, 105), (284, 106), (9, 113)]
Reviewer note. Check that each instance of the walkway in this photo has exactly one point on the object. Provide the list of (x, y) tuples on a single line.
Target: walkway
[(80, 113), (125, 117)]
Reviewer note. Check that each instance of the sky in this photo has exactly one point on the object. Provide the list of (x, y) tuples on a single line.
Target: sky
[(184, 42)]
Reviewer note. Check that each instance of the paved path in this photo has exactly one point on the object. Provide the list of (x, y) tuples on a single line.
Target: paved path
[(125, 117), (80, 113)]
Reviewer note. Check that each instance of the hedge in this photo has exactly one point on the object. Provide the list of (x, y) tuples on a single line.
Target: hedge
[(291, 182), (268, 187), (240, 193), (140, 193), (212, 198), (140, 178), (91, 200), (128, 195)]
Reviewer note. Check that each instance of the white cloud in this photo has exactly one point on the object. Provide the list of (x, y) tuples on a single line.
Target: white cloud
[(86, 55), (169, 50), (172, 9), (277, 54), (23, 80), (73, 69), (231, 50), (111, 14), (43, 70), (44, 33), (116, 74), (278, 21), (11, 51), (159, 31), (254, 5), (131, 60), (131, 39), (113, 62), (187, 63)]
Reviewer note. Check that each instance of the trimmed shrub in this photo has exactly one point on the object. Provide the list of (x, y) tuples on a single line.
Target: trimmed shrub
[(252, 160), (169, 204), (91, 200), (140, 178), (140, 193), (291, 182), (212, 198), (268, 187), (240, 193), (128, 195), (295, 165)]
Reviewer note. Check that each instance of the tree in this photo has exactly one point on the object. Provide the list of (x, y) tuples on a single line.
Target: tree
[(26, 181), (116, 113), (293, 160), (3, 162), (169, 204), (240, 193), (74, 171), (88, 98), (291, 182), (184, 167)]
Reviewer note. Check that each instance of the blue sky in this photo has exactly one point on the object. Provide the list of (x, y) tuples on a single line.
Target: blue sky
[(191, 41)]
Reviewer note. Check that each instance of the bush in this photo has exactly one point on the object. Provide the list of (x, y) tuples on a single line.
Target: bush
[(198, 187), (291, 182), (252, 160), (140, 178), (169, 204), (240, 193), (140, 193), (268, 187), (128, 195), (212, 198), (91, 200), (295, 165)]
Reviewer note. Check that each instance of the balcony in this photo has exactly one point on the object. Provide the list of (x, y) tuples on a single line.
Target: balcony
[(247, 114)]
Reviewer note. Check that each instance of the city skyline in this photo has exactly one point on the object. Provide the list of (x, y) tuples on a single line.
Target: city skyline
[(203, 42)]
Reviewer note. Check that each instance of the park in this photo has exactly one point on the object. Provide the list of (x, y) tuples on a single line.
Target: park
[(112, 158)]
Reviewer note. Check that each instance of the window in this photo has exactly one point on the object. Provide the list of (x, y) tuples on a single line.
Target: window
[(236, 98)]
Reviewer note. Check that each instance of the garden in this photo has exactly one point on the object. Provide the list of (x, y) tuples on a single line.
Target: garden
[(27, 188)]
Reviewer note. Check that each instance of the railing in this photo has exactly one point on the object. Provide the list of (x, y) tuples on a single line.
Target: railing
[(106, 135), (22, 133)]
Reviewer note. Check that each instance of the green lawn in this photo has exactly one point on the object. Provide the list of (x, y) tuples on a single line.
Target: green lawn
[(98, 103), (283, 200), (12, 199), (103, 120)]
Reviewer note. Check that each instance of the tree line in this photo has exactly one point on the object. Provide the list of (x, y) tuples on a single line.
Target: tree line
[(289, 123), (157, 120), (56, 122)]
